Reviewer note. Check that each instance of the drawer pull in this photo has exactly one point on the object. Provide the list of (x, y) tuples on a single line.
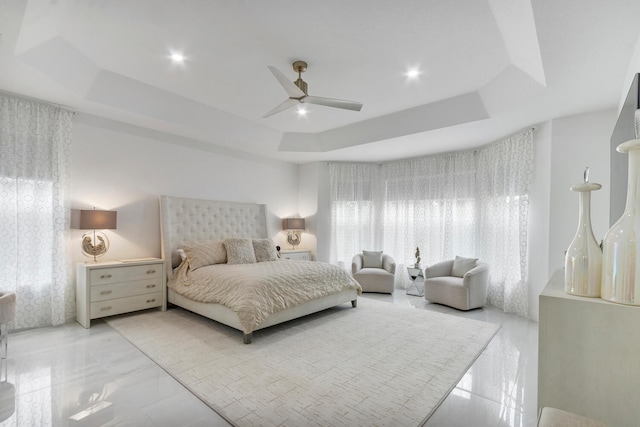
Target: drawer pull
[(150, 271), (105, 292), (105, 308), (105, 276), (151, 286), (151, 300)]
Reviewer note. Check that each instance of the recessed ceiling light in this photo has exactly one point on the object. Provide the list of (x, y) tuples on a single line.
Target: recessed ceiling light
[(413, 73), (177, 57), (302, 111)]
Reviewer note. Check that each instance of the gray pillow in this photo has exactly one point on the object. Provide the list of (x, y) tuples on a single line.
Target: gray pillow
[(372, 259), (265, 250), (239, 251), (462, 265), (204, 253)]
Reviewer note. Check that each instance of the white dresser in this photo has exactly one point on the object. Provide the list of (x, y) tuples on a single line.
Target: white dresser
[(110, 288), (300, 254)]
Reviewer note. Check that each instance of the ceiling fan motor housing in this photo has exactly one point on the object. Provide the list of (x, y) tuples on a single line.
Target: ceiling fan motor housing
[(300, 67), (302, 85)]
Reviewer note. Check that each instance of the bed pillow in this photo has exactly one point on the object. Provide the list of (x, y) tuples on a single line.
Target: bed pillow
[(204, 253), (372, 259), (239, 251), (462, 265), (265, 250)]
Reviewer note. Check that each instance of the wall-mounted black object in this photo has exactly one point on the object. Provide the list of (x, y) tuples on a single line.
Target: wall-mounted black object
[(624, 130)]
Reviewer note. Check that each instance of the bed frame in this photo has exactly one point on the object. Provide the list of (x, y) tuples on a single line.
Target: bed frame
[(191, 220)]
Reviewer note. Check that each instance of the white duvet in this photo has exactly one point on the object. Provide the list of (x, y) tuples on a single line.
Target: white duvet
[(255, 291)]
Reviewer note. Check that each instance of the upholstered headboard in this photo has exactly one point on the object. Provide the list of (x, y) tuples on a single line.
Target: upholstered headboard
[(195, 220)]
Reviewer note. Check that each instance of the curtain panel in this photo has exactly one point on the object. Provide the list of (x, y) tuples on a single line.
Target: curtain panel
[(471, 203), (505, 176), (355, 194), (35, 143)]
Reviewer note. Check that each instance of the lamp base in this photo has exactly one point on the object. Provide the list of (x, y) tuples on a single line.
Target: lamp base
[(293, 238), (95, 244)]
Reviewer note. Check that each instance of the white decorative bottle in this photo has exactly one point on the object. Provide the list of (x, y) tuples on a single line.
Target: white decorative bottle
[(621, 244), (583, 260)]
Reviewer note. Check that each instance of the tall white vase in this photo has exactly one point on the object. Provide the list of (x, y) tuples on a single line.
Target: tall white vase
[(621, 244), (583, 260)]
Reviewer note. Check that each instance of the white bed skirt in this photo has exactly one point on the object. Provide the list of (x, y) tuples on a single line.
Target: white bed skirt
[(224, 315)]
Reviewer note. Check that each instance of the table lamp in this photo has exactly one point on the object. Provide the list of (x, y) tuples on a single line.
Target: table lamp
[(96, 243), (293, 226)]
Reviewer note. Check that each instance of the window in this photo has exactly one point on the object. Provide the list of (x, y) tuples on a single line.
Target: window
[(472, 203)]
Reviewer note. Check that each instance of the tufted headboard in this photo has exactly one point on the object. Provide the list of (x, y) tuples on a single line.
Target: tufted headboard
[(192, 220)]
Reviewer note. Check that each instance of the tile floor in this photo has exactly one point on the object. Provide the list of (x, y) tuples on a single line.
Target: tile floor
[(54, 376)]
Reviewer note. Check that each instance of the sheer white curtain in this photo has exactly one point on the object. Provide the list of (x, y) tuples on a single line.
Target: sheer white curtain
[(355, 208), (505, 174), (471, 203), (35, 142), (429, 204)]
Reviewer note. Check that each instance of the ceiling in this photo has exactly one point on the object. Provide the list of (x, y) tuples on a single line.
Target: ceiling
[(488, 68)]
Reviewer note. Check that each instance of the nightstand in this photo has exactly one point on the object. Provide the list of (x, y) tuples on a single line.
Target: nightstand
[(298, 254), (118, 287), (417, 282)]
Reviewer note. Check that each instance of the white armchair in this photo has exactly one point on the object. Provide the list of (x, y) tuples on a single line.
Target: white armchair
[(374, 271), (462, 283)]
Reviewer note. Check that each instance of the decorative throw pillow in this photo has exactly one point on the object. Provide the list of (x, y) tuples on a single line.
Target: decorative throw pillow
[(204, 253), (239, 251), (265, 250), (462, 265), (372, 259)]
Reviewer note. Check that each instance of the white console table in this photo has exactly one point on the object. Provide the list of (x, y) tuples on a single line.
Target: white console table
[(588, 356)]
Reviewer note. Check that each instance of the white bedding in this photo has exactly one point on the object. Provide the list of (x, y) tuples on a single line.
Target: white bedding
[(255, 291)]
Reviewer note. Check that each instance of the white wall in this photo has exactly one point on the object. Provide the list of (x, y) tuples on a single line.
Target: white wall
[(563, 148), (539, 212), (314, 183), (577, 142), (126, 168), (308, 206)]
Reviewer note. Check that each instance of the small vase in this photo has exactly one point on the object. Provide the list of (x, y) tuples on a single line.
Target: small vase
[(621, 246), (583, 260)]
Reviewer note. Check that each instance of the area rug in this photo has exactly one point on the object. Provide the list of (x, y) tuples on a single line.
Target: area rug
[(377, 364)]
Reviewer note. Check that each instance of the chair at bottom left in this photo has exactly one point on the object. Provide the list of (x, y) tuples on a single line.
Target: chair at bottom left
[(7, 314), (7, 390)]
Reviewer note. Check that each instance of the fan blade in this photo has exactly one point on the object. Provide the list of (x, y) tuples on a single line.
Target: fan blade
[(283, 106), (331, 102), (293, 90)]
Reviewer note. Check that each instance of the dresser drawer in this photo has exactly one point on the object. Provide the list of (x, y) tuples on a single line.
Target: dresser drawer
[(126, 289), (101, 276), (125, 305)]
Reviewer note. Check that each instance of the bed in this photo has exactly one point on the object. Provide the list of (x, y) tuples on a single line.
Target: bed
[(186, 221)]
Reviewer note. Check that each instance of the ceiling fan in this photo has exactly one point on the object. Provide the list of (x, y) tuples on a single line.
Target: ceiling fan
[(298, 92)]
